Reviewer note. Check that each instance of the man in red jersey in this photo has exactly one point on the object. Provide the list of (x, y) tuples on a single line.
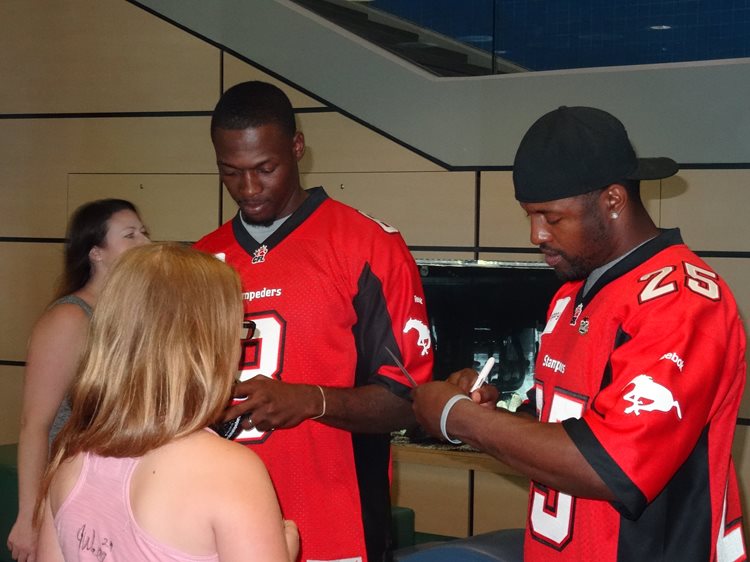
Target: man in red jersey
[(640, 370), (330, 293)]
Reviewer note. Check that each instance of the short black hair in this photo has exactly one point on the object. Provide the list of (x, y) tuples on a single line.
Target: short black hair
[(251, 104)]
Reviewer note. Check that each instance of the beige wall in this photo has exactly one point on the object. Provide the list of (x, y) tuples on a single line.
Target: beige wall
[(82, 116)]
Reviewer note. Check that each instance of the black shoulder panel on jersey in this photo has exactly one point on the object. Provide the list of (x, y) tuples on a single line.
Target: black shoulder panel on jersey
[(373, 331), (620, 338), (677, 524), (631, 502)]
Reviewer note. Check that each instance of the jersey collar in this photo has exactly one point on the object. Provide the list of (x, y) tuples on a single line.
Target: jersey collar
[(315, 198)]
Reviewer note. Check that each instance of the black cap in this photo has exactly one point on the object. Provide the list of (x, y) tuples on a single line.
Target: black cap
[(575, 150)]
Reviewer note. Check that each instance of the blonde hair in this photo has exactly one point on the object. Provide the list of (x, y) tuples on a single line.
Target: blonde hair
[(161, 356)]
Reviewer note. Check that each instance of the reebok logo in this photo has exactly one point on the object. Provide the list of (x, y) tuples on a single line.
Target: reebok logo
[(674, 358), (554, 364)]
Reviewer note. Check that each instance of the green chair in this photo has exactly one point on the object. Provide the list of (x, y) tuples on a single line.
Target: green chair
[(402, 526), (8, 495)]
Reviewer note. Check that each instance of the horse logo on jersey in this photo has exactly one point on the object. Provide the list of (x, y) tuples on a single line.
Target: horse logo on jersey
[(424, 333), (649, 396), (259, 255)]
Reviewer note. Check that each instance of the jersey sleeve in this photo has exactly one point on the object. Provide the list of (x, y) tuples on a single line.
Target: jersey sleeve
[(392, 318), (669, 377)]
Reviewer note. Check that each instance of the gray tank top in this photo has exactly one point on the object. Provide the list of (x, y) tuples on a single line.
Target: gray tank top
[(63, 412)]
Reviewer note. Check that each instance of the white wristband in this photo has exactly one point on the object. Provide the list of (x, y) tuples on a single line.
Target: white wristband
[(323, 394), (444, 416)]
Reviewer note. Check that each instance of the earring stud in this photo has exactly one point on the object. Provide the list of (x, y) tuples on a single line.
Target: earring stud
[(614, 215)]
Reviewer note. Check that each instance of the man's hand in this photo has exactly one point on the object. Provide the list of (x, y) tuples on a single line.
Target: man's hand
[(430, 398), (486, 395), (272, 404)]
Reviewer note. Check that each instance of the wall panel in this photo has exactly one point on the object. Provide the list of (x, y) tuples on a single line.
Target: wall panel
[(39, 155), (173, 207), (502, 221), (446, 254), (708, 207), (429, 208), (500, 502), (28, 276), (100, 56), (336, 143), (438, 496), (737, 274)]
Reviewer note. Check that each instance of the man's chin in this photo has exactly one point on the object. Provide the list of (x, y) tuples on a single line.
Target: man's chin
[(256, 220), (565, 271), (567, 274)]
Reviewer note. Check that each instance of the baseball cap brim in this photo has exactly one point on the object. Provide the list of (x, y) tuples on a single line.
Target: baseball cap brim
[(654, 169)]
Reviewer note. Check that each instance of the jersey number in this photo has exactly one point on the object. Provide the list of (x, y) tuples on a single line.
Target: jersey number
[(551, 516), (699, 280), (262, 354)]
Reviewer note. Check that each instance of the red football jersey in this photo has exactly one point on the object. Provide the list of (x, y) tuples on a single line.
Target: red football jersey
[(329, 291), (646, 373)]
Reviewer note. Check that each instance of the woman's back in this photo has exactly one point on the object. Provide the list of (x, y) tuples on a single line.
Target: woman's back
[(197, 498)]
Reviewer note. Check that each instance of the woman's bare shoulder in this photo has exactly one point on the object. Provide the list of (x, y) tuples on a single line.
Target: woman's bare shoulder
[(67, 316), (207, 473), (208, 454)]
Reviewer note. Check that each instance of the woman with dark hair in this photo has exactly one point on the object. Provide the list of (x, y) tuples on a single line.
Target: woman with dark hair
[(98, 233)]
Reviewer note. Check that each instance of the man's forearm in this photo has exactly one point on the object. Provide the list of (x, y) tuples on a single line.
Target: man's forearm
[(367, 409), (542, 451)]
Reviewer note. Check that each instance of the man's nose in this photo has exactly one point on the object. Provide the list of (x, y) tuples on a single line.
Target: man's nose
[(539, 231), (249, 183)]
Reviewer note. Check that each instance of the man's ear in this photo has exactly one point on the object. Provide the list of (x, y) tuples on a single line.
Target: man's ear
[(298, 145), (615, 198)]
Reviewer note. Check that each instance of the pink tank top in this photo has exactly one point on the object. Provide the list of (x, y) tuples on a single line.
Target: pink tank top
[(96, 523)]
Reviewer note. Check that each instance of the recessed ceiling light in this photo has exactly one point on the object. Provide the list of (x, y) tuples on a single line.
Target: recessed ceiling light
[(660, 27)]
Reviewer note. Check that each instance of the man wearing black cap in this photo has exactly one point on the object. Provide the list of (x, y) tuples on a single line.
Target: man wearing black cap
[(640, 369)]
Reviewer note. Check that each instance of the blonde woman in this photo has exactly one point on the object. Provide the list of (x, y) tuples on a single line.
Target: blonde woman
[(98, 232), (134, 474)]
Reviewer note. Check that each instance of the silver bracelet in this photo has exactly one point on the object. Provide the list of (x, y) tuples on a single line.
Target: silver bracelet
[(444, 416), (323, 394)]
